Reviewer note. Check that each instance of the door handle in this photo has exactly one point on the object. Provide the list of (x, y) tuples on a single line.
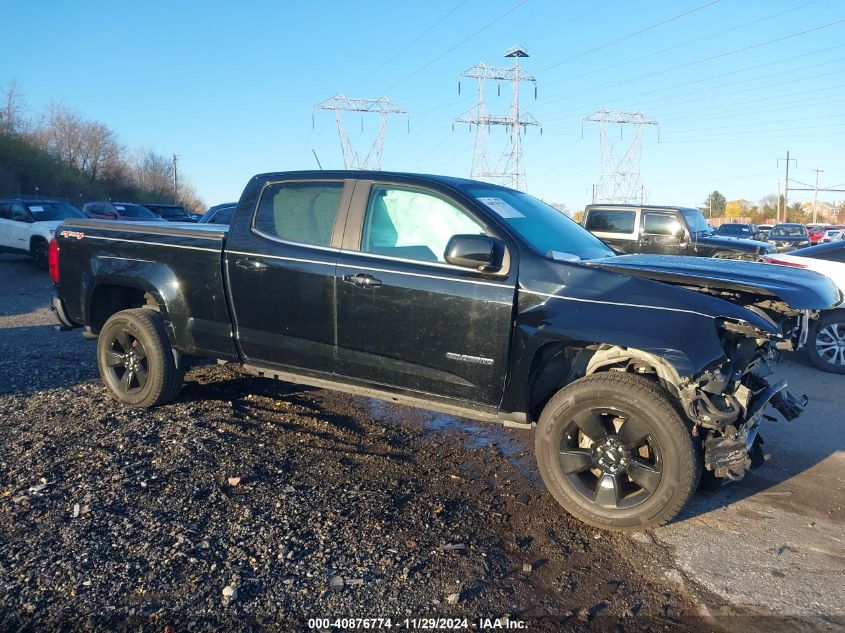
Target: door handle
[(250, 264), (362, 280)]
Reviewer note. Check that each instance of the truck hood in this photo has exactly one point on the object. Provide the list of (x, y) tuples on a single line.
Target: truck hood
[(730, 243), (799, 289)]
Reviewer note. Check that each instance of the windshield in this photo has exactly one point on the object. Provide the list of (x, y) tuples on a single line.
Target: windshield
[(52, 211), (788, 231), (134, 211), (734, 229), (546, 229), (695, 220), (169, 212)]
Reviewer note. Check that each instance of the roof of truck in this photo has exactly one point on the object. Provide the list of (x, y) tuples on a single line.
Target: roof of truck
[(373, 175)]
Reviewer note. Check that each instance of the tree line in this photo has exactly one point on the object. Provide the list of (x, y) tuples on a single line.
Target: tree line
[(767, 210), (61, 154)]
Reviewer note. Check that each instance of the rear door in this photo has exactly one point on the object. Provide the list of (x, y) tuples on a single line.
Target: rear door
[(617, 227), (408, 320), (280, 262)]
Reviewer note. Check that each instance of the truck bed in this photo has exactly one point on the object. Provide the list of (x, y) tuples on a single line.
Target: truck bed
[(179, 265)]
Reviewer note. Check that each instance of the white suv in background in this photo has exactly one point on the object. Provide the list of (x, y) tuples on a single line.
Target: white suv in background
[(27, 226), (826, 335)]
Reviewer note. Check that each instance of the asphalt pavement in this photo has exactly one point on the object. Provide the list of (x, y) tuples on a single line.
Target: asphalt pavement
[(776, 539)]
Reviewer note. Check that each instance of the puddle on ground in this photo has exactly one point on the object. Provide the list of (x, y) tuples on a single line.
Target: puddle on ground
[(474, 435)]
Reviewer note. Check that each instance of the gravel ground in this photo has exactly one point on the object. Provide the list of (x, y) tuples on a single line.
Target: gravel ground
[(254, 504)]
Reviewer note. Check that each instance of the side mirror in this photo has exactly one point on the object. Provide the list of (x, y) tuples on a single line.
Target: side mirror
[(480, 252), (110, 214), (22, 217)]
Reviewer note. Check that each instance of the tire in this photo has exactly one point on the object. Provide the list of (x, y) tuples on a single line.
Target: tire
[(38, 252), (826, 342), (637, 429), (136, 360)]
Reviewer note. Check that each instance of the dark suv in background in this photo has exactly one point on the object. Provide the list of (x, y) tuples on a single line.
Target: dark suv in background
[(742, 231), (666, 230), (119, 211), (170, 212)]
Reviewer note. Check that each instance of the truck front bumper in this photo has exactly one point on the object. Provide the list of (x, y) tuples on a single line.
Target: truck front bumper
[(731, 454)]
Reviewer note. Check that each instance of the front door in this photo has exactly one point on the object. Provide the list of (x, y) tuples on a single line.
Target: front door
[(280, 263), (20, 228), (407, 319), (662, 233)]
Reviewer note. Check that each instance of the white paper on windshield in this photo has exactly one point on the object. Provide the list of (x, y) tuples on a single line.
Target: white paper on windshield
[(33, 208), (564, 257), (501, 208), (119, 208)]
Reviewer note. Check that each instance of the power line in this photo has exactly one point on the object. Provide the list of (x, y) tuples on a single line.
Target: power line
[(685, 43), (412, 42), (575, 111), (629, 36), (456, 46), (701, 61)]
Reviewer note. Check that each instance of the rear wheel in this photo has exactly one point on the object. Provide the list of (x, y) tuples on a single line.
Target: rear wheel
[(135, 359), (826, 342), (616, 453)]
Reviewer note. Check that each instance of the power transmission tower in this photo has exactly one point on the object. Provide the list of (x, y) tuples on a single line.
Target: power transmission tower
[(383, 106), (620, 175), (509, 169)]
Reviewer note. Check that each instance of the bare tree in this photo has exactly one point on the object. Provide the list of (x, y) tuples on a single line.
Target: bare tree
[(11, 109), (100, 150), (154, 173)]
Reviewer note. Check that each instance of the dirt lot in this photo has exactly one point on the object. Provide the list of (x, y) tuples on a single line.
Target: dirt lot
[(302, 503)]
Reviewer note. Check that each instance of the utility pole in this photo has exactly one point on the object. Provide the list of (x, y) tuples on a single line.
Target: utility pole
[(175, 180), (786, 183), (816, 194)]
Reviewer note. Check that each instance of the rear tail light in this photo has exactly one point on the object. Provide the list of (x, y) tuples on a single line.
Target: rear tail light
[(53, 260)]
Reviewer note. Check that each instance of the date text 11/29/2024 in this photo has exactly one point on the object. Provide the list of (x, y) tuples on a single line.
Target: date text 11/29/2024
[(418, 624)]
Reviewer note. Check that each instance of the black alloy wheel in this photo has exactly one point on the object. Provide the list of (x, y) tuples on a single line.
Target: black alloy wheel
[(136, 359), (616, 451), (610, 458), (126, 360)]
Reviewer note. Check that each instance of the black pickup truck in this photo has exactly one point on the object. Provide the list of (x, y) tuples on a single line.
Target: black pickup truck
[(667, 230), (457, 296)]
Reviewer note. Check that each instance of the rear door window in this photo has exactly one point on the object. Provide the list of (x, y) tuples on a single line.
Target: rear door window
[(299, 212), (611, 221)]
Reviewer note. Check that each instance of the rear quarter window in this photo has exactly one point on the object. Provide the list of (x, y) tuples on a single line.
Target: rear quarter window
[(611, 221)]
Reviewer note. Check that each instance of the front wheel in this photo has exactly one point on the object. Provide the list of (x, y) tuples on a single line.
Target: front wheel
[(615, 452), (826, 342), (135, 359), (38, 252)]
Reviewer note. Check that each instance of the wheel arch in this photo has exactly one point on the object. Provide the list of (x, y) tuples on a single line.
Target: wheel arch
[(557, 364)]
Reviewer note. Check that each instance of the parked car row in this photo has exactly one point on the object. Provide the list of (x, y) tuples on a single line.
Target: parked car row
[(27, 226)]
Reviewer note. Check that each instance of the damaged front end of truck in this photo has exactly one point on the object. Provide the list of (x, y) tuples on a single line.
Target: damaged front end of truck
[(728, 400)]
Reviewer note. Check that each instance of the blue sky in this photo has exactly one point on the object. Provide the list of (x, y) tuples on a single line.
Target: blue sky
[(231, 86)]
